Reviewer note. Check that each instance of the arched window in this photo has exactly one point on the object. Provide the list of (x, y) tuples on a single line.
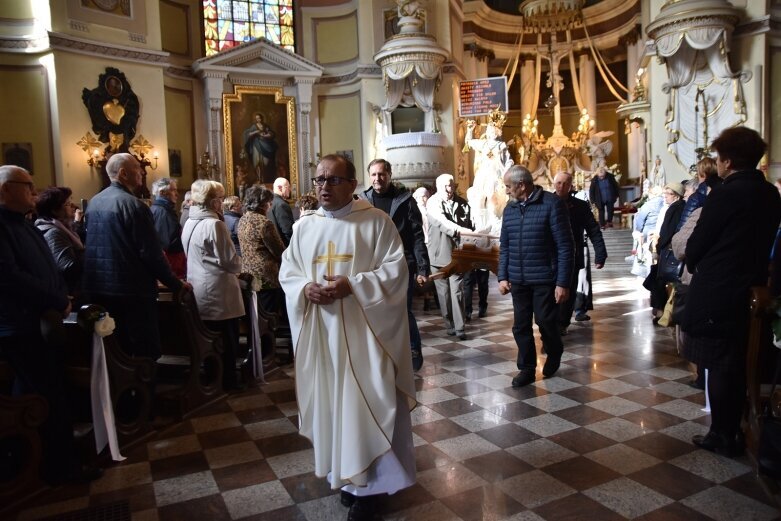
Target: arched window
[(228, 23)]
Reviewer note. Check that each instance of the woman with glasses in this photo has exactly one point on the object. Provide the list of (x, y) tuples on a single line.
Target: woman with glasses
[(212, 268), (667, 264), (55, 217)]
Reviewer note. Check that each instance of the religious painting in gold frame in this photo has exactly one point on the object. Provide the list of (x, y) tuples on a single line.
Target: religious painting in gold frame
[(260, 137)]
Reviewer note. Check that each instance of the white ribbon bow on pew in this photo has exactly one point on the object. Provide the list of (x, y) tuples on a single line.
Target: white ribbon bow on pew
[(102, 408), (257, 357)]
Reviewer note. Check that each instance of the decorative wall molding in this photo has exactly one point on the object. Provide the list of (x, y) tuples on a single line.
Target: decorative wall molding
[(78, 25), (65, 42), (239, 79), (134, 37), (180, 72), (23, 44), (371, 71)]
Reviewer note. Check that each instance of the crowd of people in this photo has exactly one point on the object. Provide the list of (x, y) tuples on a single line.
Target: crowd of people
[(344, 273)]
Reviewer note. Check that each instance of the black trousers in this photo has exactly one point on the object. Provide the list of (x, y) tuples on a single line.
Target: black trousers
[(539, 302), (137, 323), (229, 331), (481, 278), (40, 369), (605, 213)]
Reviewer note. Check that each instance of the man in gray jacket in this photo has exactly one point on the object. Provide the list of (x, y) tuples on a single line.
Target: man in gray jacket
[(448, 217)]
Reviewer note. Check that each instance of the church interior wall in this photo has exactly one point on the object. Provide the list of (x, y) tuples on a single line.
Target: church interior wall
[(340, 121), (180, 123), (175, 28), (336, 39), (141, 29), (774, 100), (24, 103), (74, 73)]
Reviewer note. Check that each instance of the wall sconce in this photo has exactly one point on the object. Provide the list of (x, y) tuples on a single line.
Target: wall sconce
[(140, 147), (92, 147)]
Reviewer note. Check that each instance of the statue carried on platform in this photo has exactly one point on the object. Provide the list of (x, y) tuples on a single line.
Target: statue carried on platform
[(492, 159)]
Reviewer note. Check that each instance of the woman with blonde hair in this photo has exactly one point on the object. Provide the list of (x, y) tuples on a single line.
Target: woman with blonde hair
[(212, 269)]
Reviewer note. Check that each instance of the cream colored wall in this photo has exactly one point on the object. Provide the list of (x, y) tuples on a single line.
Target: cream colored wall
[(336, 39), (341, 126), (775, 112), (174, 34), (24, 104), (17, 9), (75, 72), (179, 122)]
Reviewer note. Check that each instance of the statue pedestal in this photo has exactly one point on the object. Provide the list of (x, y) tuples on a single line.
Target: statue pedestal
[(416, 157)]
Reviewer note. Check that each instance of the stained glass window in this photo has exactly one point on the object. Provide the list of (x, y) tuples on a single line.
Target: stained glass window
[(227, 23)]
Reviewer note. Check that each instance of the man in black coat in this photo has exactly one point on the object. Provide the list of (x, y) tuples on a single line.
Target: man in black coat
[(404, 213), (33, 293), (535, 265), (280, 213), (728, 253), (169, 230), (603, 192), (583, 223)]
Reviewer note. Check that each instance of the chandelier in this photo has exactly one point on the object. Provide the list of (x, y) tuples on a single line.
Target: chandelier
[(551, 15)]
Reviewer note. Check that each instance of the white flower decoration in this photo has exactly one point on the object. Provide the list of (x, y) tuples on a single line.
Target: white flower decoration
[(104, 326)]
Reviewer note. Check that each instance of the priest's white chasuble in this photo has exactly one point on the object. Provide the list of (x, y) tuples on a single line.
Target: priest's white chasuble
[(354, 382)]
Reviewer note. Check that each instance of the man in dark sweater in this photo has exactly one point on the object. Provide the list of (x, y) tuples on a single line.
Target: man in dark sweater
[(280, 213), (404, 213)]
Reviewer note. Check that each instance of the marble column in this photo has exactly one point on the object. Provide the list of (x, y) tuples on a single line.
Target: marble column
[(528, 79), (588, 88)]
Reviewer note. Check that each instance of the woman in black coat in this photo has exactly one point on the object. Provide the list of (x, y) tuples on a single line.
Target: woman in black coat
[(728, 253)]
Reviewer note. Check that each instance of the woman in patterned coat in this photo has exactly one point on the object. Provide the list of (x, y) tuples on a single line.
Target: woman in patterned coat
[(261, 247)]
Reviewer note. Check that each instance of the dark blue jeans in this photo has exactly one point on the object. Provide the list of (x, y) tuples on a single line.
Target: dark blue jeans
[(479, 277), (414, 333), (540, 302), (605, 213)]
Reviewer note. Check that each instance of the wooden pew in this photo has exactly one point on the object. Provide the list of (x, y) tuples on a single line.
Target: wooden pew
[(131, 379), (20, 442), (190, 369), (760, 364)]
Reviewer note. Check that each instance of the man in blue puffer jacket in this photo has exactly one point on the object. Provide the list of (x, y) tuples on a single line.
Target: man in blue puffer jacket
[(535, 265)]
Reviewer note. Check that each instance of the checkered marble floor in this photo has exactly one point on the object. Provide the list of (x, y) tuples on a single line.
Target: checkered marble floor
[(606, 438)]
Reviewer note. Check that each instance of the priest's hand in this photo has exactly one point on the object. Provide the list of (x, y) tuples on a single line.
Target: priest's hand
[(504, 287), (339, 287), (318, 294)]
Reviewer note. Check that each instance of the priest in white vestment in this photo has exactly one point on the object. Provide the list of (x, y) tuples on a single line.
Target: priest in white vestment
[(345, 280)]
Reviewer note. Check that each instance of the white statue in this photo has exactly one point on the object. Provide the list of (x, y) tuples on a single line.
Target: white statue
[(487, 196), (598, 149), (658, 177), (409, 8)]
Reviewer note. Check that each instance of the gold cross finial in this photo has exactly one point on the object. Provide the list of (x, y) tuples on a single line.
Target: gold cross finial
[(331, 257)]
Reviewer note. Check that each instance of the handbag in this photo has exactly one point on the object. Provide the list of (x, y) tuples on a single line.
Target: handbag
[(666, 320), (769, 451), (679, 303), (670, 268)]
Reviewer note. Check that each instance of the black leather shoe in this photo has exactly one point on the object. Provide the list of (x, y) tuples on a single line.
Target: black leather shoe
[(582, 317), (346, 499), (550, 367), (461, 335), (417, 359), (525, 377), (482, 313), (81, 475), (363, 509), (468, 316), (715, 442)]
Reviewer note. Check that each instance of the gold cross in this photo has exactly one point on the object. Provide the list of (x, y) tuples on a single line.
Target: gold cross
[(330, 258)]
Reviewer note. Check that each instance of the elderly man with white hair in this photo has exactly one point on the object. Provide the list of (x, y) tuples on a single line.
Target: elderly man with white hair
[(123, 259), (448, 217), (281, 214)]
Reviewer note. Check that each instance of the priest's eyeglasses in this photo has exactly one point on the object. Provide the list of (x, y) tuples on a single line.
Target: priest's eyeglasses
[(330, 181)]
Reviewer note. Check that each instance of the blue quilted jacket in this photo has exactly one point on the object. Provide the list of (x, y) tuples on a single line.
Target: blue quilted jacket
[(536, 245), (123, 256)]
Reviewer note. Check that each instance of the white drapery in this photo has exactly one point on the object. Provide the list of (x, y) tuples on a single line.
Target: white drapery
[(704, 95), (410, 83)]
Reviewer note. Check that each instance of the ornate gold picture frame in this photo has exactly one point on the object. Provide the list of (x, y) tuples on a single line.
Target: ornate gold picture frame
[(260, 138)]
